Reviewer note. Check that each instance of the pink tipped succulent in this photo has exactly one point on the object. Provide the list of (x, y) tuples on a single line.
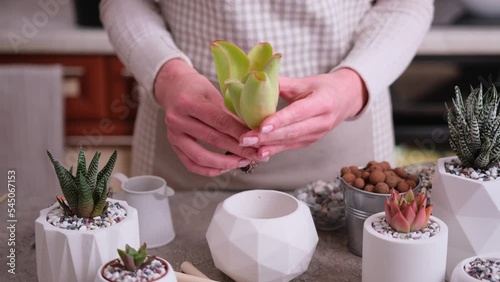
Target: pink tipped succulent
[(407, 213)]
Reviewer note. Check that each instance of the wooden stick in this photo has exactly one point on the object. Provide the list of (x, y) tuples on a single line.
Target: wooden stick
[(182, 277), (190, 269), (3, 198)]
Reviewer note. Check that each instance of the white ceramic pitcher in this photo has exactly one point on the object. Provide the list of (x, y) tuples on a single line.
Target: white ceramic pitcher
[(149, 195)]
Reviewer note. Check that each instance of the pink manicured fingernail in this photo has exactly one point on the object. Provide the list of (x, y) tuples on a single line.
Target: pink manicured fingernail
[(263, 159), (244, 163), (249, 141), (266, 129), (225, 170), (264, 154)]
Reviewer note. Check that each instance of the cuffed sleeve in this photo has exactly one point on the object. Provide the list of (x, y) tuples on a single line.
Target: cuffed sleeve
[(141, 40)]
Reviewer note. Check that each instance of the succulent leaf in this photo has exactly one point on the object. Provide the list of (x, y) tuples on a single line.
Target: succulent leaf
[(92, 170), (67, 183), (260, 55), (255, 103), (235, 87)]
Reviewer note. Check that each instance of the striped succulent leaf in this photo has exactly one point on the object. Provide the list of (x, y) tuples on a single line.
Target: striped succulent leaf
[(86, 192), (475, 127)]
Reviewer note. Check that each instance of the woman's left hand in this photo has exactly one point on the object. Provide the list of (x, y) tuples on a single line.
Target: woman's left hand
[(317, 104)]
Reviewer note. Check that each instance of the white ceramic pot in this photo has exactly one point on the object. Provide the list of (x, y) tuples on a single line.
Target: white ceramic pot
[(390, 259), (459, 275), (471, 209), (71, 255), (262, 235), (168, 277)]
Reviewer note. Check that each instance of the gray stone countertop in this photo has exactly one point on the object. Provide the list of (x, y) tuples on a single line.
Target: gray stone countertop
[(192, 212)]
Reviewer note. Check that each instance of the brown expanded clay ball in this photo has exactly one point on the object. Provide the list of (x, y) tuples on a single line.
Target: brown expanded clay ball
[(389, 173), (365, 175), (376, 176), (393, 181), (358, 183), (377, 167), (353, 168), (349, 177), (369, 188), (371, 163), (382, 188), (413, 177), (401, 172), (345, 170), (411, 183), (385, 165), (403, 187)]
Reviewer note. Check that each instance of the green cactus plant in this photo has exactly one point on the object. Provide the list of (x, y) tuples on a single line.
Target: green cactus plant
[(248, 83), (86, 191), (133, 259), (475, 127)]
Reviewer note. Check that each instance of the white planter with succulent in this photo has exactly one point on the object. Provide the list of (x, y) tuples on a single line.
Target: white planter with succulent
[(466, 188), (134, 266), (84, 229), (475, 269), (404, 243)]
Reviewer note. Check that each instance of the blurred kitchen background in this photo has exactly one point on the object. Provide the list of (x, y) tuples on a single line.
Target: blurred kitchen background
[(100, 95)]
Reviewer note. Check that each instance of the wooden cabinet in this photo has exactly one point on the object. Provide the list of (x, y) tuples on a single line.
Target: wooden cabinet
[(100, 95)]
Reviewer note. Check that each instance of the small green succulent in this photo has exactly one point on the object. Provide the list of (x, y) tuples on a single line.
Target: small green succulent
[(133, 259), (475, 127), (248, 83), (86, 192)]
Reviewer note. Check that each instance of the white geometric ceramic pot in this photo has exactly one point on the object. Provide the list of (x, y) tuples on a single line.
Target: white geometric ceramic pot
[(459, 274), (392, 259), (169, 276), (471, 209), (262, 235), (72, 255)]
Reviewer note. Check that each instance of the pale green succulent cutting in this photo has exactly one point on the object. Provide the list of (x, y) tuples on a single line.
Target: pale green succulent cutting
[(248, 82)]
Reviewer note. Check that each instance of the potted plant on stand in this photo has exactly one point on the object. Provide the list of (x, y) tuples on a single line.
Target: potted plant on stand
[(466, 188), (82, 230), (406, 228), (136, 265)]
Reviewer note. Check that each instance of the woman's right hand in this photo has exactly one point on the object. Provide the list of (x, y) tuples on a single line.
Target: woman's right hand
[(194, 111)]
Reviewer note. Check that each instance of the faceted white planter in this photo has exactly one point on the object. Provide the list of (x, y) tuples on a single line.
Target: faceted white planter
[(71, 255), (168, 277), (262, 235), (471, 209), (459, 274), (391, 259)]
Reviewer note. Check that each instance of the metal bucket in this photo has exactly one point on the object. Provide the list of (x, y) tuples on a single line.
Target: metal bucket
[(359, 205)]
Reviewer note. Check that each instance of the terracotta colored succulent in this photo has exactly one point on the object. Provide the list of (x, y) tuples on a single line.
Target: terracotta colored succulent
[(407, 213)]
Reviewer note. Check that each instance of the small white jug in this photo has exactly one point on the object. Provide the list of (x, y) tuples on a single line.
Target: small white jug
[(149, 195)]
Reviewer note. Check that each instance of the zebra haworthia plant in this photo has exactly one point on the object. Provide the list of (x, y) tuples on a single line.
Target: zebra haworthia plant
[(86, 191), (248, 82), (475, 127)]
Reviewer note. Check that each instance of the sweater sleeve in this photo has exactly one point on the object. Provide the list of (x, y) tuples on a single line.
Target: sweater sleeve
[(386, 40), (139, 36)]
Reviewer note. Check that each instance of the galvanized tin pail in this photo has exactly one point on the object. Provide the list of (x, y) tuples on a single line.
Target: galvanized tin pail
[(359, 205)]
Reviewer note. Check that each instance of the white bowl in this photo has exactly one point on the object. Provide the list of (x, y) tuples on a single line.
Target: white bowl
[(262, 235), (483, 8)]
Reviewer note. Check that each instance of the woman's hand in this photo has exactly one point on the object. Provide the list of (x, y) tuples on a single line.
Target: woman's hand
[(317, 104), (195, 112)]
